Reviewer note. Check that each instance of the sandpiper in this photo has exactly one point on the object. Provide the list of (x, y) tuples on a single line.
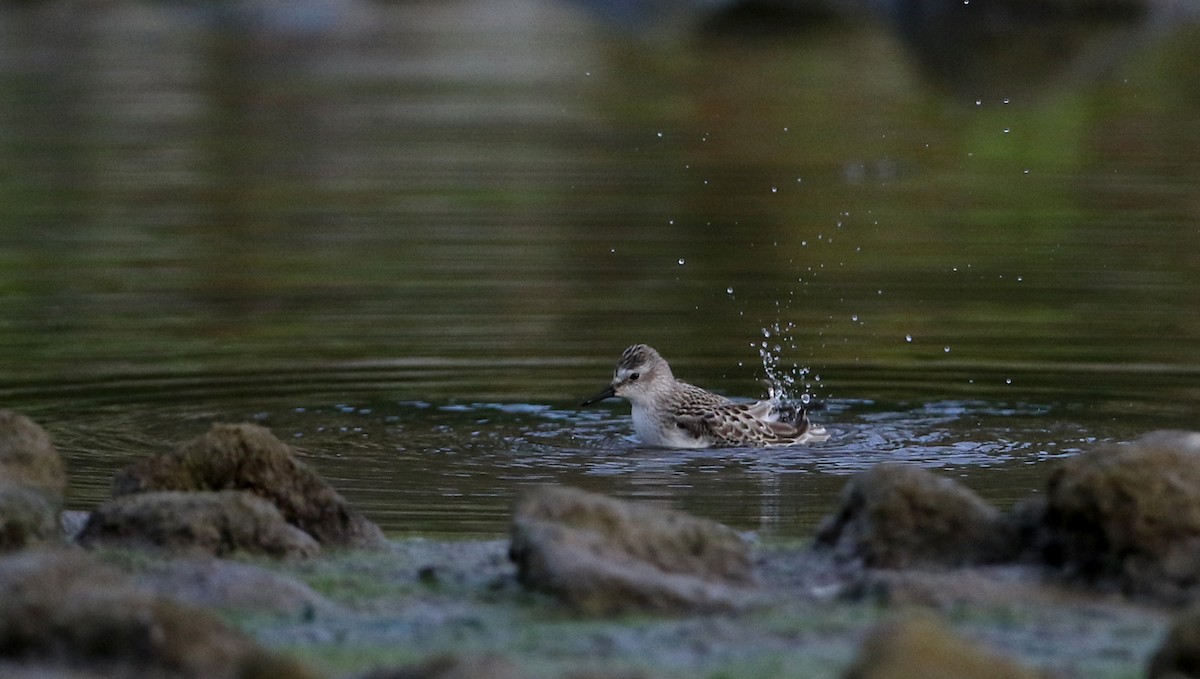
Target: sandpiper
[(674, 414)]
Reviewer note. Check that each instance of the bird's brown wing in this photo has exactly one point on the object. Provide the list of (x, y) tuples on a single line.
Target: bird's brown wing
[(693, 412), (740, 423)]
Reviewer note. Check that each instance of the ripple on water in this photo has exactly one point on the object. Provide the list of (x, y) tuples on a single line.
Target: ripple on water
[(448, 466)]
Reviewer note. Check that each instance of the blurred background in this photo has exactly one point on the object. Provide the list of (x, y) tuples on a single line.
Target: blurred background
[(409, 236)]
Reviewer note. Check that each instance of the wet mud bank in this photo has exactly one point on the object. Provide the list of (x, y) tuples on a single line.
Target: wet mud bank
[(227, 557)]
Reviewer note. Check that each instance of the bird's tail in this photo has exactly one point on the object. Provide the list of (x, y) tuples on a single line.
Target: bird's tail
[(795, 413)]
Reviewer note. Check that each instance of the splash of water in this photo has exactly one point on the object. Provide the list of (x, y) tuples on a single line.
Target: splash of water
[(783, 380)]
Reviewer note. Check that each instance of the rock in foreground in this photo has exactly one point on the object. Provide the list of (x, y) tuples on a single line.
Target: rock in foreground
[(921, 648), (248, 457), (233, 586), (26, 518), (451, 667), (1179, 655), (1130, 513), (601, 555), (28, 457), (32, 482), (899, 516), (219, 524), (63, 609)]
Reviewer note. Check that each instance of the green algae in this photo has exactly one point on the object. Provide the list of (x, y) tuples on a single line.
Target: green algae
[(421, 598)]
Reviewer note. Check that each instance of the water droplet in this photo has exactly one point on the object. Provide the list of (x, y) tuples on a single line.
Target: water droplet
[(1007, 130), (854, 318), (729, 290), (660, 135), (979, 102), (681, 261), (1005, 100), (774, 189), (946, 349), (908, 338), (1008, 380)]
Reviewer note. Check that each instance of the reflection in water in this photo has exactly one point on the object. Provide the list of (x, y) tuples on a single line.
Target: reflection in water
[(50, 169), (977, 49), (445, 465), (410, 241), (992, 49), (263, 158)]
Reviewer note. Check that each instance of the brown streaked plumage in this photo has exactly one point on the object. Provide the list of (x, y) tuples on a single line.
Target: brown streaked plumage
[(674, 414)]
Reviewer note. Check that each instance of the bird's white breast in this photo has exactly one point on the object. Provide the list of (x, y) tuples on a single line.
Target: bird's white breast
[(654, 430)]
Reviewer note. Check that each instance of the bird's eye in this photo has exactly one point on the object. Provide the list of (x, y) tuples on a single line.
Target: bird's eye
[(634, 376)]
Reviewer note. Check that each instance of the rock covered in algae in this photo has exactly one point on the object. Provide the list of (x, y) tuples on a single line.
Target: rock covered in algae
[(28, 457), (32, 482), (1131, 513), (216, 523), (920, 647), (451, 667), (901, 516), (248, 457), (602, 555), (63, 609), (1178, 657), (26, 518), (233, 586)]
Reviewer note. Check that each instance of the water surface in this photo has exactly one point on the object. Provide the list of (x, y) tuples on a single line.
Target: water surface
[(411, 239)]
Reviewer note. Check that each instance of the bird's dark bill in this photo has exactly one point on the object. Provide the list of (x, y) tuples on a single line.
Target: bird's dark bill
[(607, 393)]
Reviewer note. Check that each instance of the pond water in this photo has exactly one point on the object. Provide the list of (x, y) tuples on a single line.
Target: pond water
[(409, 237)]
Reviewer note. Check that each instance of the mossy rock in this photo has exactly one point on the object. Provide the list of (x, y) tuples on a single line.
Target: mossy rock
[(601, 555), (220, 524), (1179, 655), (63, 608), (28, 457), (27, 517), (248, 457), (900, 516), (1130, 513), (451, 667), (920, 647)]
